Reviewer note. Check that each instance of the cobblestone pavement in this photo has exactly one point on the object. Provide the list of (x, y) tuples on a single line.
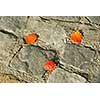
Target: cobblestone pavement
[(21, 62)]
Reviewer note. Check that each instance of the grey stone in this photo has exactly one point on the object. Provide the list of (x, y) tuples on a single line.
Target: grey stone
[(13, 23), (61, 76), (50, 33), (30, 60), (76, 55), (82, 58)]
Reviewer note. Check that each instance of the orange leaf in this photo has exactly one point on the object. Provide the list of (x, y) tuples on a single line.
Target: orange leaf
[(49, 65), (31, 38), (76, 37)]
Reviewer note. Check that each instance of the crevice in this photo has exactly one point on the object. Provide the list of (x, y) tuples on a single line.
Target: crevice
[(88, 19), (89, 48), (92, 29), (44, 19), (92, 22), (66, 21), (15, 55), (58, 20), (96, 24), (45, 76), (70, 69), (88, 24), (9, 33)]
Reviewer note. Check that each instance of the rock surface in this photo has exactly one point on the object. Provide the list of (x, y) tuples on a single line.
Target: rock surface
[(20, 62)]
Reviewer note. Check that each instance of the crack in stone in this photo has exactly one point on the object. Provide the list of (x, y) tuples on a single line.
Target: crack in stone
[(92, 22), (15, 55), (58, 20), (82, 45), (44, 19), (45, 77), (88, 19), (89, 47), (73, 69), (96, 24), (9, 33)]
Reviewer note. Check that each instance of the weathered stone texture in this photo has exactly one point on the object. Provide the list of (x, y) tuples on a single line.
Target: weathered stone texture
[(76, 63)]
